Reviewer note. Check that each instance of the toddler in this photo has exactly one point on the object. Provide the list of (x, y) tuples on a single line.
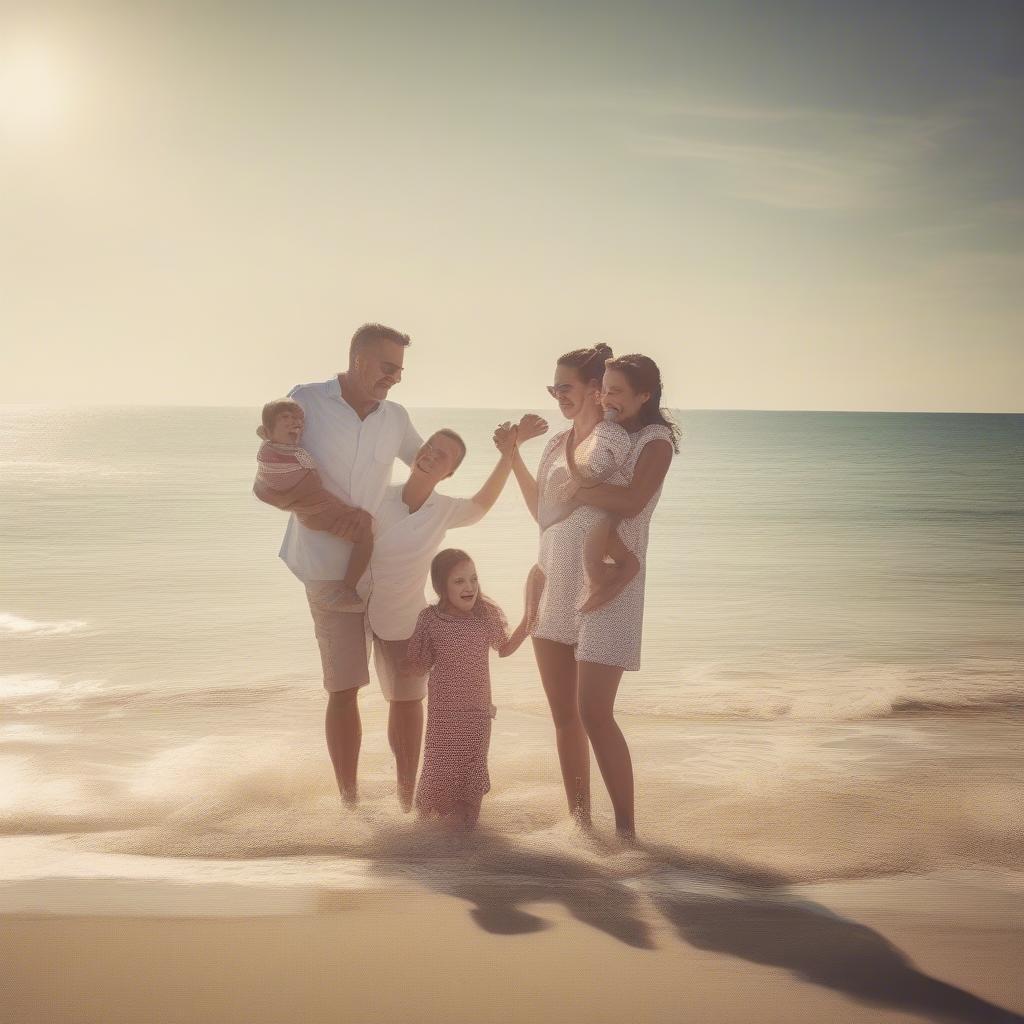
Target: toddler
[(609, 564), (452, 640), (287, 478)]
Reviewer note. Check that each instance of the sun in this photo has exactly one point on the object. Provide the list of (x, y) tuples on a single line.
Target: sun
[(33, 89)]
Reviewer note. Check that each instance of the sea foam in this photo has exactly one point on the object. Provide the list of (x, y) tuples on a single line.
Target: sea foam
[(16, 624)]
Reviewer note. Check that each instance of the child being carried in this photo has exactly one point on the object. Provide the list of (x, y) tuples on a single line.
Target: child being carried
[(287, 478), (608, 563)]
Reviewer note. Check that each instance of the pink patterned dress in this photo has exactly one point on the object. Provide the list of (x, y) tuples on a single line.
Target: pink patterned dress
[(456, 649)]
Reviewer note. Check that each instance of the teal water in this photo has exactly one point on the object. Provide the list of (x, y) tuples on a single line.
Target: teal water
[(832, 671)]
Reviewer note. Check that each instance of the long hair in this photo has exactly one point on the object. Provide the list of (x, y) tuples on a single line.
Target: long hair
[(643, 375), (588, 362), (441, 568)]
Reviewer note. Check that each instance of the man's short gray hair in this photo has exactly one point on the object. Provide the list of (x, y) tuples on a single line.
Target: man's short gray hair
[(368, 334)]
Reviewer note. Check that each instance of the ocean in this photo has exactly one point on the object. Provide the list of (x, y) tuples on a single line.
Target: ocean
[(831, 684)]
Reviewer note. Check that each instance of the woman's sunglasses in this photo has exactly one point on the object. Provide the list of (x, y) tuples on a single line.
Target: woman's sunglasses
[(557, 390)]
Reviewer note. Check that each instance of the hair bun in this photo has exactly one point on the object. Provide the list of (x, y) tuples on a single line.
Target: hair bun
[(603, 350)]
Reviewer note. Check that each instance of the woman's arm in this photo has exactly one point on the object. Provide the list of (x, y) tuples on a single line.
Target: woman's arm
[(529, 426), (526, 481), (629, 501)]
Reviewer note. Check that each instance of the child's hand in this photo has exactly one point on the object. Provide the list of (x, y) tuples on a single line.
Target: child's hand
[(505, 438), (531, 426), (567, 493)]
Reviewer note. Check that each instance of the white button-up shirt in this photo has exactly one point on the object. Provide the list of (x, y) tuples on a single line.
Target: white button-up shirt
[(403, 548), (354, 458)]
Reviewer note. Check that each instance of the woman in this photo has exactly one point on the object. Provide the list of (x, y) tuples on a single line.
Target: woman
[(581, 656)]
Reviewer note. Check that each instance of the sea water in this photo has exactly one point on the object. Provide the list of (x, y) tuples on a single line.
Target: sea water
[(831, 684)]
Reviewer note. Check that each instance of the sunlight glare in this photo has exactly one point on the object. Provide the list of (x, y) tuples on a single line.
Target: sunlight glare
[(33, 89)]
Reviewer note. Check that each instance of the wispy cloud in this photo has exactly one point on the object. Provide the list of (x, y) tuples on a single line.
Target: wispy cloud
[(800, 159), (805, 157)]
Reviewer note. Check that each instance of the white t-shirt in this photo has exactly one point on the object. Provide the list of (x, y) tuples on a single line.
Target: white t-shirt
[(403, 548), (354, 458)]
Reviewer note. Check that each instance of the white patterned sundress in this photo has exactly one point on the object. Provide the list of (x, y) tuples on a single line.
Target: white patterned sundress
[(610, 635)]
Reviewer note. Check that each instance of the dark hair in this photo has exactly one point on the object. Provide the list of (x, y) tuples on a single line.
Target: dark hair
[(370, 333), (643, 375), (274, 409), (587, 362)]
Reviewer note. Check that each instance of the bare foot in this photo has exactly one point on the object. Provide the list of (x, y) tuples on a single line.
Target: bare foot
[(405, 795), (626, 835), (350, 798), (582, 820), (614, 582)]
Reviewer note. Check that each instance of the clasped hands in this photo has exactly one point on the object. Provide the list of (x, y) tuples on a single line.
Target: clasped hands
[(508, 435)]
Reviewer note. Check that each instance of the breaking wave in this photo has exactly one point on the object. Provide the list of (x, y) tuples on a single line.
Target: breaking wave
[(30, 627)]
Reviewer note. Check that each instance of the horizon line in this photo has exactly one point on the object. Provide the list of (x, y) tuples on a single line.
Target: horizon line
[(508, 408)]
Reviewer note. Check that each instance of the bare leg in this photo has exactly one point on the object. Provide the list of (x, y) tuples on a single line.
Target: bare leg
[(405, 735), (598, 687), (595, 547), (608, 581), (531, 603), (345, 598), (344, 732), (358, 560), (557, 665)]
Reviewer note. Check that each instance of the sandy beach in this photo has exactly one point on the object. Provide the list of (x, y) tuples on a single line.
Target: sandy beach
[(884, 950), (825, 735)]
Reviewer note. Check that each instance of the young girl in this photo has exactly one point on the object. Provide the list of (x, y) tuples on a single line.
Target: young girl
[(453, 639)]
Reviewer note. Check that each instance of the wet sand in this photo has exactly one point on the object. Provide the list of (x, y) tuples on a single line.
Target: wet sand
[(880, 950)]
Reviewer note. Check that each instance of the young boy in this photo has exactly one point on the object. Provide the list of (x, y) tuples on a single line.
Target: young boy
[(287, 478)]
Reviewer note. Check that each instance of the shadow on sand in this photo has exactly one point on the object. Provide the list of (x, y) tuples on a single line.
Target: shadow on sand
[(738, 910)]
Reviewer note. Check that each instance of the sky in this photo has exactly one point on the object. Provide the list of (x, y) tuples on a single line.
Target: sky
[(794, 205)]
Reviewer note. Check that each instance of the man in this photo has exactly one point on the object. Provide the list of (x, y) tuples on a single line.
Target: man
[(354, 433)]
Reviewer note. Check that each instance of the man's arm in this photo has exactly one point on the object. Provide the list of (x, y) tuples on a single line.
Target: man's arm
[(648, 476), (317, 508), (411, 442)]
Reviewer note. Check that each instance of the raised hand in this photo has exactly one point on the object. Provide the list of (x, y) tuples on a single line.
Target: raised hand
[(505, 438), (531, 426)]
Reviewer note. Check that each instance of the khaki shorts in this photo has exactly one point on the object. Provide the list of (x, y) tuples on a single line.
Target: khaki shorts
[(345, 639)]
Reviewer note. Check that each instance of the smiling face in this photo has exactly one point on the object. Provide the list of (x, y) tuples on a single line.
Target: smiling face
[(618, 396), (571, 392), (462, 587), (376, 368), (439, 457), (287, 428)]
